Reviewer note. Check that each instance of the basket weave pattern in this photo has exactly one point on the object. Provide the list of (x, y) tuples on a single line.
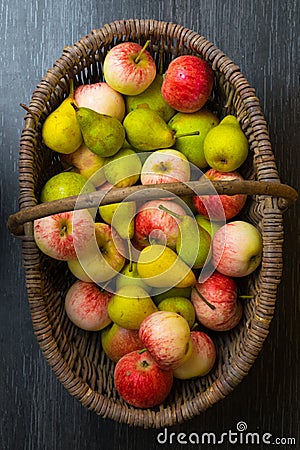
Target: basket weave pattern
[(76, 356)]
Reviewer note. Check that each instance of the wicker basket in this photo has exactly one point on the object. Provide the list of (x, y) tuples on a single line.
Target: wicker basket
[(75, 356)]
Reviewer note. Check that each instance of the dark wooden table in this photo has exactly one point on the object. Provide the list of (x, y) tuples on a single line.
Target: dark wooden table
[(261, 37)]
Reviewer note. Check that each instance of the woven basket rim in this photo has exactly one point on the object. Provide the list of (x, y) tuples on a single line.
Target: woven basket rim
[(268, 209)]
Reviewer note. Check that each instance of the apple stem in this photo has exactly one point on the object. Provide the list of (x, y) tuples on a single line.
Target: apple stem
[(204, 299), (177, 216), (142, 351), (192, 133), (137, 59)]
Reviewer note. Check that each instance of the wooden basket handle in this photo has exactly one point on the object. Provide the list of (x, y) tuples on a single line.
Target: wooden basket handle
[(286, 194)]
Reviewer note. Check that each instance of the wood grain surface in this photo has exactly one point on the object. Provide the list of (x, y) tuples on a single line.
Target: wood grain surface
[(262, 37)]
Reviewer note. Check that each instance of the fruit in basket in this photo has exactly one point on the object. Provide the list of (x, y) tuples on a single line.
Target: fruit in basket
[(188, 83), (61, 131), (161, 267), (151, 98), (165, 166), (102, 134), (180, 305), (146, 130), (140, 381), (201, 360), (193, 242), (216, 303), (166, 335), (237, 248), (129, 276), (192, 146), (101, 98), (226, 146), (220, 207), (159, 294), (209, 225), (86, 163), (123, 169), (129, 68), (153, 225), (117, 341), (87, 306), (65, 184), (104, 260), (129, 306), (61, 235)]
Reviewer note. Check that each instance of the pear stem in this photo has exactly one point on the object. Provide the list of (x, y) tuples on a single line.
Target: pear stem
[(75, 106), (204, 299), (130, 254), (192, 133), (71, 94), (246, 296), (177, 216), (137, 59)]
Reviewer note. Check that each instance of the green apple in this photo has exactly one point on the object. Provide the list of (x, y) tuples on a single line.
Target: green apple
[(123, 169), (158, 295), (180, 305), (192, 146), (208, 225), (130, 276), (151, 98), (65, 184), (129, 306)]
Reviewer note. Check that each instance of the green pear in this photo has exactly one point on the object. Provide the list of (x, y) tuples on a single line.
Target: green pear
[(129, 306), (193, 242), (61, 131), (146, 130), (180, 305), (102, 134), (226, 146), (192, 146), (65, 184), (151, 98), (123, 169), (130, 276), (158, 294)]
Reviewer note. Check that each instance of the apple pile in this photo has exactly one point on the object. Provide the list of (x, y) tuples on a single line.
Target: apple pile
[(155, 277)]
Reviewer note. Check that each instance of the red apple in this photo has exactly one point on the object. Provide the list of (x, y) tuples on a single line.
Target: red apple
[(140, 381), (118, 341), (237, 249), (201, 360), (154, 225), (166, 335), (165, 166), (87, 163), (86, 306), (188, 83), (216, 303), (129, 68), (102, 261), (61, 235), (100, 97), (220, 207)]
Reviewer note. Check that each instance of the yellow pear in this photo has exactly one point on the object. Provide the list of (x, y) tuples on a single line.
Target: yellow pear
[(61, 131), (160, 266)]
